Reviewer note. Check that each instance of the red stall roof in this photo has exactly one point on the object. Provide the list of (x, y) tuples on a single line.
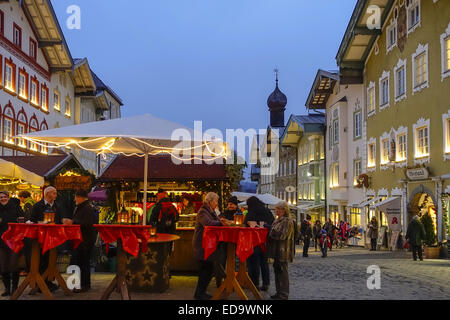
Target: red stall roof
[(160, 168)]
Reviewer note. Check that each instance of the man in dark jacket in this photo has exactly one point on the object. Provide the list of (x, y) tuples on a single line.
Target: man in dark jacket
[(164, 215), (205, 217), (415, 234), (232, 209), (84, 215), (258, 262), (306, 234), (47, 204)]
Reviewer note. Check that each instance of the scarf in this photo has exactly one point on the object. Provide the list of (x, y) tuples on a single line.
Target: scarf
[(281, 228)]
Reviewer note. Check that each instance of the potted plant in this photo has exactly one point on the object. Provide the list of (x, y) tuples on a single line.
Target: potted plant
[(431, 249)]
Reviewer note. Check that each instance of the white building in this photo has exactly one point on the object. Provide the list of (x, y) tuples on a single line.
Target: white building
[(345, 145), (41, 87)]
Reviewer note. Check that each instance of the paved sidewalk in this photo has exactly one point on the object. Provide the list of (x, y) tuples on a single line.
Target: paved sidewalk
[(342, 275)]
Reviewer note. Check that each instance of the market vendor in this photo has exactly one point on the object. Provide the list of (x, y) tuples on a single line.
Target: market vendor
[(232, 208), (163, 214), (187, 206)]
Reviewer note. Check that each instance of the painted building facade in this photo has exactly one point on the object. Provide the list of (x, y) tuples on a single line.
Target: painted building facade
[(404, 68)]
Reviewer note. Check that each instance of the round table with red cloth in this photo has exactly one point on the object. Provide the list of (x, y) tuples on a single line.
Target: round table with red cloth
[(46, 237), (49, 236), (245, 239), (127, 237), (241, 242), (128, 234)]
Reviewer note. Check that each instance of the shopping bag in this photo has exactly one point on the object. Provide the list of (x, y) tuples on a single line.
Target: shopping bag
[(406, 245)]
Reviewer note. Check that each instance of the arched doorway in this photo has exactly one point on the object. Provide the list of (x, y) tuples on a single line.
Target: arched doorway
[(423, 202)]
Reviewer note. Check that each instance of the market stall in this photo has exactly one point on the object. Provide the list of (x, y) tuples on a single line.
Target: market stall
[(123, 180)]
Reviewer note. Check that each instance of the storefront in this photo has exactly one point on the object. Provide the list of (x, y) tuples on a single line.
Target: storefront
[(124, 180)]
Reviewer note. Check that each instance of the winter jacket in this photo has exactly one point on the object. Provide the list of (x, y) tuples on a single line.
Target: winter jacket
[(205, 217), (8, 214), (373, 230), (317, 231), (258, 212), (415, 233), (28, 208), (84, 215), (37, 214), (229, 214), (280, 245), (306, 229), (164, 216)]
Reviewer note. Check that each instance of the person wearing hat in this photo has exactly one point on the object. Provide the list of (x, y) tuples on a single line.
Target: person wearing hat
[(163, 214), (232, 209), (84, 215), (306, 234)]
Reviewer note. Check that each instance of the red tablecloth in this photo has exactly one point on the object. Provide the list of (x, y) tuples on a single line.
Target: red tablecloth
[(244, 238), (130, 236), (49, 236)]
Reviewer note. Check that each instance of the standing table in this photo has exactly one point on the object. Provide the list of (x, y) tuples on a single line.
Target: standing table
[(240, 241), (127, 237), (47, 237)]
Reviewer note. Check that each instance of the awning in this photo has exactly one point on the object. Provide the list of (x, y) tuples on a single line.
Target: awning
[(10, 170), (309, 207), (317, 206), (369, 202), (390, 205)]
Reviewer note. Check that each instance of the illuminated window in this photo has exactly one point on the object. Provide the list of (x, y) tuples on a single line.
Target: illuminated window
[(334, 175), (23, 85), (371, 101), (357, 171), (357, 125), (21, 130), (447, 50), (33, 128), (10, 77), (445, 53), (401, 147), (447, 132), (384, 151), (312, 191), (355, 217), (322, 148), (371, 155), (322, 190), (305, 154), (311, 151), (7, 130), (67, 111), (420, 67), (17, 36), (34, 92), (44, 97), (336, 131), (422, 147)]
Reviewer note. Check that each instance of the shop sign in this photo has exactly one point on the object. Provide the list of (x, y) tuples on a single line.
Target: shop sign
[(290, 189), (417, 174), (72, 182)]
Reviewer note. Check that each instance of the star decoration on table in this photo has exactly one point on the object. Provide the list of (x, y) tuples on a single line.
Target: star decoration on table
[(147, 276), (150, 256)]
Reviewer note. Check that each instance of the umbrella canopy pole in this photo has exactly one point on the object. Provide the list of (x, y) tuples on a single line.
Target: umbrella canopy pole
[(144, 217)]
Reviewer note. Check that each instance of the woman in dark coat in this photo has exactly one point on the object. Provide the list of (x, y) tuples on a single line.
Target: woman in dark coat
[(9, 212), (373, 233), (257, 262), (415, 234), (281, 248), (205, 217), (317, 234)]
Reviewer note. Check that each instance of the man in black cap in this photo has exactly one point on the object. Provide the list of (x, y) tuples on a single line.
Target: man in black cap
[(84, 215), (164, 215), (306, 234), (232, 209)]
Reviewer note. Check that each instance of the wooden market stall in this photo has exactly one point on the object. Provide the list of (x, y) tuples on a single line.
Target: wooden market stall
[(124, 179)]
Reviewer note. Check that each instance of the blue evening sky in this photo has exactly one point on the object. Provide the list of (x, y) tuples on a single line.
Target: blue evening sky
[(209, 60)]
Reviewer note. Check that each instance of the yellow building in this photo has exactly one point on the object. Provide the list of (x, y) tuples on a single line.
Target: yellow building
[(405, 68)]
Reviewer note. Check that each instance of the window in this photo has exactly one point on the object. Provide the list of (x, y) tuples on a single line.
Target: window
[(355, 217), (312, 191), (371, 99), (413, 15), (305, 192), (21, 130), (322, 189), (33, 49), (322, 150), (34, 92), (401, 147), (311, 150), (336, 131), (7, 130), (384, 89), (56, 100), (44, 97), (371, 154), (357, 170), (446, 122), (391, 35), (445, 53), (422, 142), (334, 175), (357, 123), (2, 23), (23, 85), (400, 80), (384, 151), (420, 68), (17, 36), (10, 76), (305, 154), (67, 111)]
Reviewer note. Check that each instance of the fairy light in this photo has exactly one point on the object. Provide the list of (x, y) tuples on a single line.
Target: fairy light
[(11, 182)]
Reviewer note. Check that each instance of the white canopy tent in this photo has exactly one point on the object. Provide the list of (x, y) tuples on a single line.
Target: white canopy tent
[(265, 198), (139, 136), (9, 170)]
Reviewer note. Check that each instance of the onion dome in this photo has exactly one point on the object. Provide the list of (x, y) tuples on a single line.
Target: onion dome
[(277, 99)]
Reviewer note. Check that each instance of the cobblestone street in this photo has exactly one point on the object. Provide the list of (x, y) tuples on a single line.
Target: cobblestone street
[(342, 275)]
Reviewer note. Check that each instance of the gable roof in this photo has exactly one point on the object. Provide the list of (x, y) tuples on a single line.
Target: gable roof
[(321, 89), (299, 125), (359, 39)]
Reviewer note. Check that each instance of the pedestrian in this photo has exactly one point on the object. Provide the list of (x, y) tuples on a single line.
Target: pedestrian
[(415, 234), (330, 229), (164, 215), (9, 212), (232, 208), (84, 215), (258, 214), (317, 233), (342, 232), (27, 203), (281, 248), (205, 217), (187, 206), (324, 242), (373, 233), (306, 234), (47, 204)]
